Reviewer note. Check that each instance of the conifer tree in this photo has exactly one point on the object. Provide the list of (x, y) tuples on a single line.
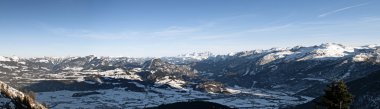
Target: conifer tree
[(336, 96)]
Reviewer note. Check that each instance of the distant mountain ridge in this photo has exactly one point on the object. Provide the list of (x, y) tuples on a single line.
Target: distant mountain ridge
[(199, 56), (311, 63), (298, 71), (292, 69)]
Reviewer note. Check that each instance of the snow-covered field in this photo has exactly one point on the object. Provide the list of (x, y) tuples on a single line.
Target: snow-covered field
[(119, 98)]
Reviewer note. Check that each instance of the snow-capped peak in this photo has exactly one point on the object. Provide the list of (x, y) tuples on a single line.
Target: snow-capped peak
[(332, 50), (2, 58), (372, 46), (195, 55), (15, 58), (317, 52)]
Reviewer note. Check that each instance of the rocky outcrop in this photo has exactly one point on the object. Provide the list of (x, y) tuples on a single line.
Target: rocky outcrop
[(160, 69), (212, 87), (19, 99)]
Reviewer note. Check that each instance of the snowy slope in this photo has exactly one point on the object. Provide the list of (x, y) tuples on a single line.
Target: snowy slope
[(270, 78)]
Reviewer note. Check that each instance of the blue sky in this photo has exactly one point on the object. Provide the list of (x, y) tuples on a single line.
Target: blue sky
[(140, 28)]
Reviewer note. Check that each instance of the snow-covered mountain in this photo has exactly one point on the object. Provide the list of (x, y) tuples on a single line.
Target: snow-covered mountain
[(254, 78), (292, 69), (188, 58), (198, 56)]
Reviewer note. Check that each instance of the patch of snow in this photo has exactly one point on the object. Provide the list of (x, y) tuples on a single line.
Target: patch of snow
[(172, 82), (116, 98), (233, 91), (138, 84), (361, 57), (8, 67), (73, 68), (198, 56), (22, 63), (90, 82), (315, 79), (332, 50), (15, 58), (43, 61), (274, 56), (80, 79), (2, 58)]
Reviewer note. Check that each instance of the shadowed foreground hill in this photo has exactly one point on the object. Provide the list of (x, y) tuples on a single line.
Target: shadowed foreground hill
[(366, 93), (192, 105)]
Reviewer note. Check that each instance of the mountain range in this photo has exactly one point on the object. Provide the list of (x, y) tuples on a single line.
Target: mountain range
[(272, 78)]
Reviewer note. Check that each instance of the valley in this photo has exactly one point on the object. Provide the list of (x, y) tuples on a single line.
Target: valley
[(274, 78)]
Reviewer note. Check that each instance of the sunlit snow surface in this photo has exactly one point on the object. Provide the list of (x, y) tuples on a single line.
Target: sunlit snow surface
[(119, 98), (19, 70)]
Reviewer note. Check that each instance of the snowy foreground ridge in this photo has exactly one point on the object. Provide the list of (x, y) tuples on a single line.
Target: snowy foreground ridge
[(9, 93)]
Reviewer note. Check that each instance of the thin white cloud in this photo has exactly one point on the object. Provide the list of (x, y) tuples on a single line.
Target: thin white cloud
[(178, 31), (248, 32), (340, 10), (166, 33), (371, 19), (171, 32), (91, 34), (273, 28)]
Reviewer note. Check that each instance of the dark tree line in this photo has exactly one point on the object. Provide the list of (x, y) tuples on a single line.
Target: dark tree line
[(336, 96)]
